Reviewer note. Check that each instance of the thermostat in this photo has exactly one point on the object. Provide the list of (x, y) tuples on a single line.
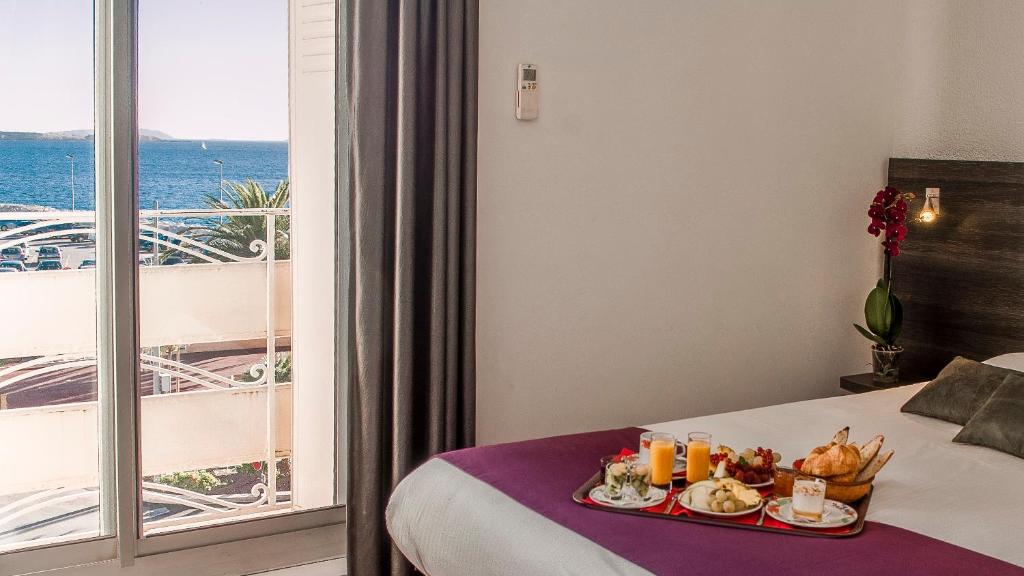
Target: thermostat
[(527, 95)]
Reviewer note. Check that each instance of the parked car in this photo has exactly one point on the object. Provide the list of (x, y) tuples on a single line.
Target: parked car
[(73, 231), (87, 263), (49, 265), (171, 261), (50, 253), (15, 265), (6, 225), (14, 253), (6, 269)]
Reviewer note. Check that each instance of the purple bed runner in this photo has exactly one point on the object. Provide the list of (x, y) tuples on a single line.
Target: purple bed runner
[(542, 475)]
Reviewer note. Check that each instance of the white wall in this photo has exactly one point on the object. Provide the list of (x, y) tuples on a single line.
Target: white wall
[(55, 311), (679, 233), (187, 431), (961, 92)]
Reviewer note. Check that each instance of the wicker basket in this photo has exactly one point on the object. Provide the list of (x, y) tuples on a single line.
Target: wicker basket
[(846, 492)]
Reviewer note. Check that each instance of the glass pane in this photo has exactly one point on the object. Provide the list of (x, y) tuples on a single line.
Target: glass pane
[(219, 385), (49, 405)]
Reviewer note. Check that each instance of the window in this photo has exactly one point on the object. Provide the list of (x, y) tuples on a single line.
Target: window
[(171, 358), (50, 396)]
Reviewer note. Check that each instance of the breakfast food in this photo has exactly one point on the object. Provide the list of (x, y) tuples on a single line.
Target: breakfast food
[(640, 479), (721, 495), (839, 461), (753, 466), (615, 478)]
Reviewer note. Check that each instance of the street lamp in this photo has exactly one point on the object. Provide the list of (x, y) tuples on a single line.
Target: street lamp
[(72, 158), (220, 164)]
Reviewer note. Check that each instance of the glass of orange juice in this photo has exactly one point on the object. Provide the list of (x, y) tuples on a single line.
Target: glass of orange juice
[(662, 459), (698, 456)]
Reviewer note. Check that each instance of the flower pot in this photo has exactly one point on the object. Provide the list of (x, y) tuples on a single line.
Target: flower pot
[(885, 363)]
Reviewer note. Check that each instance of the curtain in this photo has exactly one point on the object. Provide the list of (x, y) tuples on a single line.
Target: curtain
[(412, 75)]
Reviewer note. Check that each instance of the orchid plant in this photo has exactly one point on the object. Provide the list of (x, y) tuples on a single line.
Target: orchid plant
[(883, 312)]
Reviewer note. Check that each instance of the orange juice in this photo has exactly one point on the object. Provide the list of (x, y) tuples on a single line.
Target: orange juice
[(698, 459), (663, 458)]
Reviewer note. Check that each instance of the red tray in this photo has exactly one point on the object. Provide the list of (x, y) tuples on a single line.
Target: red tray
[(747, 522)]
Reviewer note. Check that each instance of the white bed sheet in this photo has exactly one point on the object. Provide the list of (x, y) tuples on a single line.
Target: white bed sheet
[(966, 495)]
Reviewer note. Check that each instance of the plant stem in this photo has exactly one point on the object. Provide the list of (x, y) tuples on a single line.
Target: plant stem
[(887, 272)]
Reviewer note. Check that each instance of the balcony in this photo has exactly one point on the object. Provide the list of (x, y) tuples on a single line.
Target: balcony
[(211, 406)]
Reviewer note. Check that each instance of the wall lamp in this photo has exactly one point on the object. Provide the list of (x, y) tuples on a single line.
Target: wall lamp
[(930, 210)]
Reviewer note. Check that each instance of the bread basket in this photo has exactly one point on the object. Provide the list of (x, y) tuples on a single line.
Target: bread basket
[(846, 492)]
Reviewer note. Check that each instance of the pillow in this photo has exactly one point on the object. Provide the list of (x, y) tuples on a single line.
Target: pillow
[(999, 423), (1013, 361), (958, 391)]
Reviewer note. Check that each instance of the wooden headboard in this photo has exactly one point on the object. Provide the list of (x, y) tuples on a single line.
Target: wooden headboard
[(961, 277)]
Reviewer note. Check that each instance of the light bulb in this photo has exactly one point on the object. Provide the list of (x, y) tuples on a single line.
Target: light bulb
[(927, 215)]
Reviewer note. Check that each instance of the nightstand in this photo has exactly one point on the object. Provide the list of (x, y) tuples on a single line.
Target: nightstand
[(860, 383)]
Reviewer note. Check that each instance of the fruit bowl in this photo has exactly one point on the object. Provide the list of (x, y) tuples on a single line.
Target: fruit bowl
[(845, 492)]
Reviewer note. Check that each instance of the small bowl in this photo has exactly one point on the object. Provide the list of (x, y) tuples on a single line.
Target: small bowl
[(845, 492)]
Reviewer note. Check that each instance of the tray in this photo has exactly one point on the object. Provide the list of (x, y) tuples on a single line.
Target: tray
[(748, 522)]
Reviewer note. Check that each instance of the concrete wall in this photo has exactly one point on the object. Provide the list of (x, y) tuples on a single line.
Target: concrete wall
[(55, 312), (187, 431), (679, 232)]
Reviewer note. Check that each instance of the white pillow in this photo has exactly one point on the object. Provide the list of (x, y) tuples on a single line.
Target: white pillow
[(1014, 361)]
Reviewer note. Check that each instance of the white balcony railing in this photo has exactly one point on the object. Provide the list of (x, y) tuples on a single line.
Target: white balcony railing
[(218, 296)]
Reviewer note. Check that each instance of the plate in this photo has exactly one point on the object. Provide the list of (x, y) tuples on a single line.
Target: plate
[(654, 497), (722, 514), (836, 514)]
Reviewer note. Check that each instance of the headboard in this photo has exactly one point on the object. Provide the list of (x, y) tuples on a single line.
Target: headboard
[(961, 277)]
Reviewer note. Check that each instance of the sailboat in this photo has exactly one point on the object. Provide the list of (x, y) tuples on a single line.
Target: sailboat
[(204, 145)]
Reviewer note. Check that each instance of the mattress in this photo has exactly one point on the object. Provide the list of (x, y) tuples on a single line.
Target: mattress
[(449, 523)]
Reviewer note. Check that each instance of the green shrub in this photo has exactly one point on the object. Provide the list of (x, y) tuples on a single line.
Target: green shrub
[(194, 480)]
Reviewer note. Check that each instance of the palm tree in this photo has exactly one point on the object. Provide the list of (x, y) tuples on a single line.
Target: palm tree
[(233, 234)]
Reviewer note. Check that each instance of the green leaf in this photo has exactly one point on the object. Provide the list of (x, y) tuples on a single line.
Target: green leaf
[(878, 312), (864, 332), (897, 318)]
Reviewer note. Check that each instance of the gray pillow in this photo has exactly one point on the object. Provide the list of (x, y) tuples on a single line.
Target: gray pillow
[(958, 391), (999, 423)]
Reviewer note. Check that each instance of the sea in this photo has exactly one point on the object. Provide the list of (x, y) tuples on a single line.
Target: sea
[(173, 173)]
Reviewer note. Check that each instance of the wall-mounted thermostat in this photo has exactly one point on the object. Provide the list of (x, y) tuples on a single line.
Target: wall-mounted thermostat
[(527, 94)]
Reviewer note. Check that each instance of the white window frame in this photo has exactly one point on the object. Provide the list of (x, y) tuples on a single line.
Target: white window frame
[(273, 540)]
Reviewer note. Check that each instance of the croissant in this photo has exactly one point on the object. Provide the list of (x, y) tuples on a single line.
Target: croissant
[(832, 460)]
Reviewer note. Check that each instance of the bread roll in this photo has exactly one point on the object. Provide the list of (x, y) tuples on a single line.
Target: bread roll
[(832, 460)]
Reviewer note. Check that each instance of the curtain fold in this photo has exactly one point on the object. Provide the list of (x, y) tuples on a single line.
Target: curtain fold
[(412, 117)]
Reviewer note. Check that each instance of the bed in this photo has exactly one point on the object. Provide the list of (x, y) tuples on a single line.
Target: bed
[(449, 522)]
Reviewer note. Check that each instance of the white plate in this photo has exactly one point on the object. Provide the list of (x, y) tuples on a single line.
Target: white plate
[(722, 514), (836, 514), (654, 497)]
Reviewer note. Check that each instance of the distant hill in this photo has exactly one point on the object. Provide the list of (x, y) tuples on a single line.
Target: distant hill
[(144, 135)]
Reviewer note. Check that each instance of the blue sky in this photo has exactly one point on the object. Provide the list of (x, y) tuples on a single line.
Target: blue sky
[(207, 68)]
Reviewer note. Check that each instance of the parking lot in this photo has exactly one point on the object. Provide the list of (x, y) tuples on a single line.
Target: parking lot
[(72, 253)]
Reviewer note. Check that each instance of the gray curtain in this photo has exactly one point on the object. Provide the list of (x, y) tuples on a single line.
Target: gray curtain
[(412, 74)]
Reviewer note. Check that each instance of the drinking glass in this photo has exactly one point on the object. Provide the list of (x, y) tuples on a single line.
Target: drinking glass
[(640, 478), (663, 459), (698, 456), (645, 447), (615, 478), (809, 498)]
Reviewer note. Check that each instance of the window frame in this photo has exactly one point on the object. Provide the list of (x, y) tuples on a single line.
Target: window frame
[(122, 540)]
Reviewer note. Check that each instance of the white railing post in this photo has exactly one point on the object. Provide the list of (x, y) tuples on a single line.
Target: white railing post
[(271, 251)]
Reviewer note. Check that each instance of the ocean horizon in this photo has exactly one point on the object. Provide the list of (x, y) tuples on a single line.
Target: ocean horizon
[(176, 173)]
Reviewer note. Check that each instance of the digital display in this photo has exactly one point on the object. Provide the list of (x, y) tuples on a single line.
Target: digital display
[(529, 74)]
